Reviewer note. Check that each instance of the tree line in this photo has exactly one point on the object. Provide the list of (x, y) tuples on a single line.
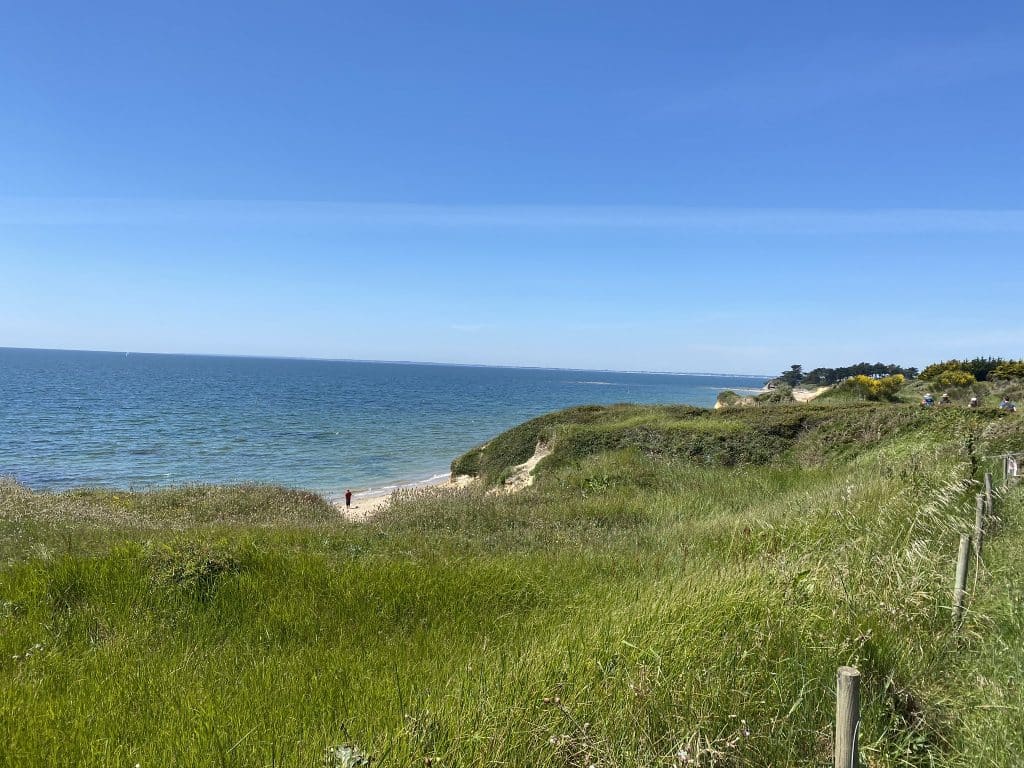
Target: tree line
[(980, 368), (947, 373), (823, 377)]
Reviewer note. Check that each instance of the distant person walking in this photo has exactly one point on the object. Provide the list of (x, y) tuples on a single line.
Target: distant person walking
[(974, 402), (348, 499), (1008, 405), (927, 401)]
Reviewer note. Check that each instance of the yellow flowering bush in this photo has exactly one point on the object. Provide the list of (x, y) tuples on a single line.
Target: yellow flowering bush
[(877, 389), (933, 371), (954, 378)]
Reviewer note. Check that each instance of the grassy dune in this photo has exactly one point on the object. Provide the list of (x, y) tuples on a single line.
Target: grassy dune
[(677, 588)]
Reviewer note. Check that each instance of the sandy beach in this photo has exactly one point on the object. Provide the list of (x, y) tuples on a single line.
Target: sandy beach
[(366, 504)]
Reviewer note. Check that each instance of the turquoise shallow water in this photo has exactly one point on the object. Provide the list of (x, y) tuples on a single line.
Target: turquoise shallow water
[(70, 419)]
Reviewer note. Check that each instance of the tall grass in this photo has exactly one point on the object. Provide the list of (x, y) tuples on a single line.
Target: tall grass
[(637, 606)]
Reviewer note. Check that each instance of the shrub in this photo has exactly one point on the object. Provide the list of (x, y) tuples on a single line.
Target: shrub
[(193, 566), (954, 378), (1008, 370), (877, 389), (890, 386), (980, 368), (933, 371), (728, 398), (783, 393), (865, 385), (1010, 388)]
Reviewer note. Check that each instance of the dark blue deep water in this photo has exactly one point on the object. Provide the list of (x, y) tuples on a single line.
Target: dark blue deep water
[(72, 419)]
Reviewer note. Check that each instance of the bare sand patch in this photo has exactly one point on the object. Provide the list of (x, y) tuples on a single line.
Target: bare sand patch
[(806, 395), (522, 474), (366, 506)]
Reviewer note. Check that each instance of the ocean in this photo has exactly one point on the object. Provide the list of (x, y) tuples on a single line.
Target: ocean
[(73, 419)]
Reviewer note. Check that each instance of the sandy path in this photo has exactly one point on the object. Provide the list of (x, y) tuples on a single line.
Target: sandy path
[(806, 395)]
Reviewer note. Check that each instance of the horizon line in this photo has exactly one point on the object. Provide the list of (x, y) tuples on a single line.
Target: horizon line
[(387, 362)]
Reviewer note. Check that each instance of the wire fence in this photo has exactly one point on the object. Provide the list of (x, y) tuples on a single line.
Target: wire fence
[(848, 679)]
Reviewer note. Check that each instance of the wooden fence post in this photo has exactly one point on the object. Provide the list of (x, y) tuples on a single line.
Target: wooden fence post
[(847, 717), (979, 523), (960, 591), (988, 494)]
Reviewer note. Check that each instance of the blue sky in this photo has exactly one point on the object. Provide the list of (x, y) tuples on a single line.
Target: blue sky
[(664, 186)]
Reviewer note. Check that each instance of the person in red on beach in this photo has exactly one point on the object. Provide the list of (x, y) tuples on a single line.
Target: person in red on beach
[(348, 499)]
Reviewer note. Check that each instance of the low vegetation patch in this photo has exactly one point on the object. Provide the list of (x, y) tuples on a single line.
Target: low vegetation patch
[(676, 589), (193, 566), (781, 393), (727, 437)]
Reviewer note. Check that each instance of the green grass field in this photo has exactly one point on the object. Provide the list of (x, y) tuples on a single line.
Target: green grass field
[(676, 589)]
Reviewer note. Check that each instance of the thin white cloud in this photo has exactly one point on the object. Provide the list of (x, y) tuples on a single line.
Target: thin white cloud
[(269, 213), (827, 76)]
